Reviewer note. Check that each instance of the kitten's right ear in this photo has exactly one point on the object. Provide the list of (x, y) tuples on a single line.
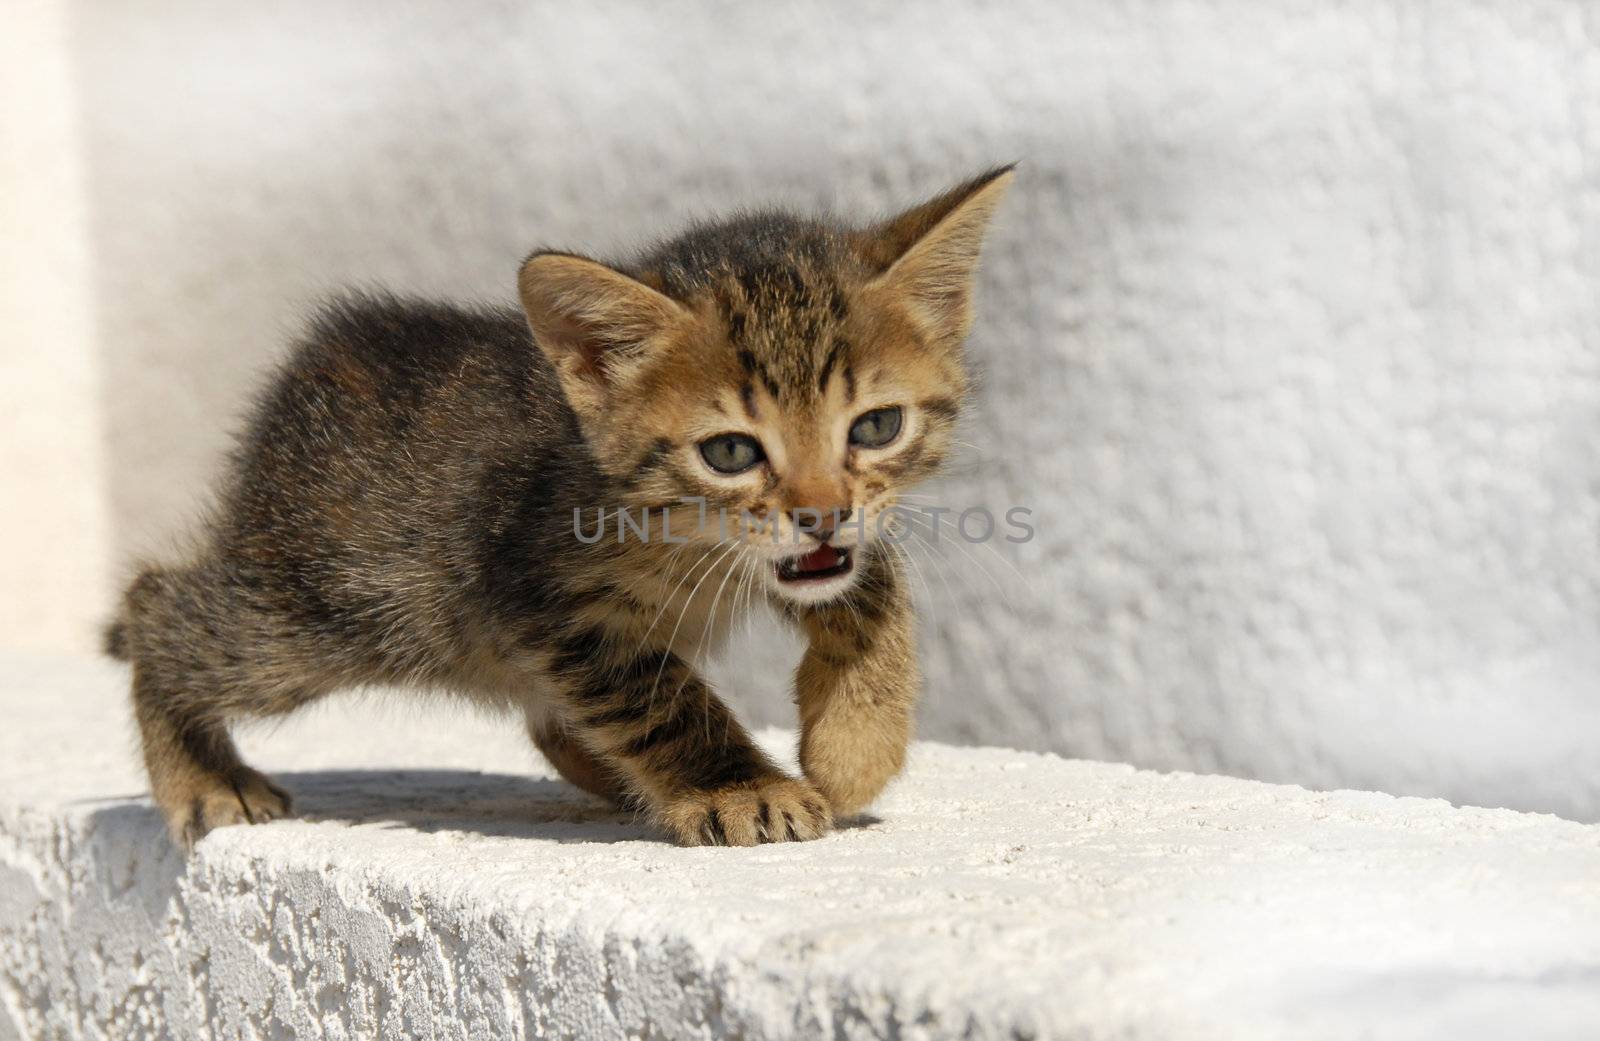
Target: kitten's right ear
[(595, 324), (927, 255)]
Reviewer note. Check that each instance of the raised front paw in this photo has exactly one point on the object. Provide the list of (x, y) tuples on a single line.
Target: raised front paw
[(772, 809), (850, 757)]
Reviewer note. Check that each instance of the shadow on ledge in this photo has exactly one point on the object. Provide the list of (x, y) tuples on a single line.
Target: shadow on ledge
[(432, 801), (496, 805)]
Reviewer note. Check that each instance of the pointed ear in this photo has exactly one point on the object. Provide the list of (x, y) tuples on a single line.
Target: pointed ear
[(928, 254), (594, 323)]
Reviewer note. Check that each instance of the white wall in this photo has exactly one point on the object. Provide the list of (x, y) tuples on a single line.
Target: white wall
[(1290, 332), (54, 510)]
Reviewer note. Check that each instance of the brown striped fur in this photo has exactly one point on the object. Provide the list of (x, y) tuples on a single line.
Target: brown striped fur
[(400, 511)]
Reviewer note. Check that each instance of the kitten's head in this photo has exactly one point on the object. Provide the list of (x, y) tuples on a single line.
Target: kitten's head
[(794, 374)]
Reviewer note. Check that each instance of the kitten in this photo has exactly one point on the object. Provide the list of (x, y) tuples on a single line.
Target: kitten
[(414, 499)]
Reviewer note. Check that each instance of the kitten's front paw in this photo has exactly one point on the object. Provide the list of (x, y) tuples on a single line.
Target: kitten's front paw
[(773, 809)]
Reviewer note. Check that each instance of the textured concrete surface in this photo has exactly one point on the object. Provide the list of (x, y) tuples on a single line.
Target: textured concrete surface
[(443, 885), (1290, 329)]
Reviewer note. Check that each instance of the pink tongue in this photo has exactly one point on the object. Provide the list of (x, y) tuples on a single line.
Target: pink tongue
[(820, 559)]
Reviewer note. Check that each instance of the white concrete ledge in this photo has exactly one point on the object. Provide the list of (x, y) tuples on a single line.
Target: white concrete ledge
[(443, 886)]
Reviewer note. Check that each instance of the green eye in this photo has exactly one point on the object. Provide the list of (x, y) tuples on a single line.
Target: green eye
[(731, 453), (876, 428)]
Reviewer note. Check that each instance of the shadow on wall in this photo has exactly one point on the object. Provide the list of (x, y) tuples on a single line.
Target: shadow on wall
[(240, 168)]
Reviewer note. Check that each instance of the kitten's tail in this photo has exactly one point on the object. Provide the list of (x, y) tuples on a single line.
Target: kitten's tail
[(115, 637), (114, 640)]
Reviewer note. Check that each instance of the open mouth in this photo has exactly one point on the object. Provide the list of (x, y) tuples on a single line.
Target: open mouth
[(824, 562)]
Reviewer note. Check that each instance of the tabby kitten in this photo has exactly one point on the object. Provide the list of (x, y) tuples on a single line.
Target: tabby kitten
[(414, 497)]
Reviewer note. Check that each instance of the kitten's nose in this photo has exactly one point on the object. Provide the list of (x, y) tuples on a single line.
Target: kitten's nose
[(822, 528), (818, 503)]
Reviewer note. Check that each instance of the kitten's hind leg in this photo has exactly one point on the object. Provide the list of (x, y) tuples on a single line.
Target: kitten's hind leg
[(196, 776), (197, 662)]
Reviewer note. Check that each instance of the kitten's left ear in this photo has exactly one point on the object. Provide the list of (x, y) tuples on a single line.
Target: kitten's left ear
[(929, 253), (596, 324)]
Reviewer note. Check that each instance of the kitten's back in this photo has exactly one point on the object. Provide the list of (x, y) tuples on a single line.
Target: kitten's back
[(372, 472)]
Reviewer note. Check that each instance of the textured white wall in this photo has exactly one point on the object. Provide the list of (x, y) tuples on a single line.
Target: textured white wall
[(1291, 333)]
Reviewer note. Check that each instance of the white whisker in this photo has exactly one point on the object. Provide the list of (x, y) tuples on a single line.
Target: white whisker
[(1004, 593), (705, 633), (911, 566), (920, 543), (667, 601), (687, 603)]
